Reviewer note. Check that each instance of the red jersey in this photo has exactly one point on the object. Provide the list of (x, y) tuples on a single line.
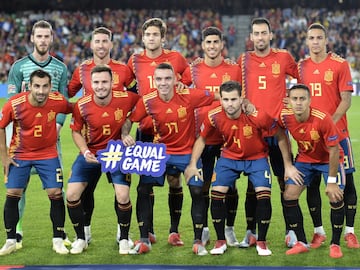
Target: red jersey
[(327, 80), (144, 67), (81, 78), (313, 137), (99, 124), (243, 137), (173, 120), (264, 78), (34, 130), (202, 76)]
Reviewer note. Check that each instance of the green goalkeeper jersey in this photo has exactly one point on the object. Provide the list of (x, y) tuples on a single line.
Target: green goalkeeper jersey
[(19, 77)]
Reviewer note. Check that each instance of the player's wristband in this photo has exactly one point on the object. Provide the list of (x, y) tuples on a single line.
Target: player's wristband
[(331, 180), (86, 152)]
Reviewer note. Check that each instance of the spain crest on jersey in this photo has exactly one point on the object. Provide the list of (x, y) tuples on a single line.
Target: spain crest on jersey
[(119, 114), (329, 76), (115, 78), (275, 68), (314, 135), (51, 116), (181, 112), (226, 77), (247, 131)]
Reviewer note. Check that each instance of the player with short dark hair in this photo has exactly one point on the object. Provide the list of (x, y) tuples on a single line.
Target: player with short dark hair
[(123, 79), (264, 74), (143, 65), (33, 144), (173, 115), (244, 151), (328, 76), (97, 119), (319, 152), (209, 73)]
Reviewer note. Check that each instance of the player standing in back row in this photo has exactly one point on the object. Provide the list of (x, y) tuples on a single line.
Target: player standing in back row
[(328, 76), (143, 66), (264, 74)]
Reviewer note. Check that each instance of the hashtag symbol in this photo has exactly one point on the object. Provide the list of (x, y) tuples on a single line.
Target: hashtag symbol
[(112, 157)]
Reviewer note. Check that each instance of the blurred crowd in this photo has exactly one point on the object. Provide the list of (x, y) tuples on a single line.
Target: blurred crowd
[(73, 30), (73, 33)]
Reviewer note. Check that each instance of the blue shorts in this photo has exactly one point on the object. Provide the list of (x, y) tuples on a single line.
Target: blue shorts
[(228, 170), (349, 165), (49, 171), (176, 164), (312, 169), (208, 157), (90, 173), (276, 159)]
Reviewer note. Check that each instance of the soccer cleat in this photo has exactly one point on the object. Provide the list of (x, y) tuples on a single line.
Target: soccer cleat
[(152, 238), (199, 249), (124, 247), (58, 246), (78, 246), (335, 251), (19, 238), (351, 240), (231, 237), (140, 248), (290, 239), (298, 248), (205, 236), (87, 230), (317, 240), (219, 248), (262, 248), (174, 239), (249, 240), (8, 247), (118, 233)]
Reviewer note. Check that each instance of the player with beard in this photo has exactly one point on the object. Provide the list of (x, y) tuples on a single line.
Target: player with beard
[(209, 73), (264, 73), (33, 145), (18, 81), (244, 151), (143, 66), (123, 78), (101, 45)]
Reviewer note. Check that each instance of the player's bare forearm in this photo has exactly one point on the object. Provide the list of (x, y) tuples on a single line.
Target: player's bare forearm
[(79, 141), (343, 106), (333, 160), (127, 139)]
